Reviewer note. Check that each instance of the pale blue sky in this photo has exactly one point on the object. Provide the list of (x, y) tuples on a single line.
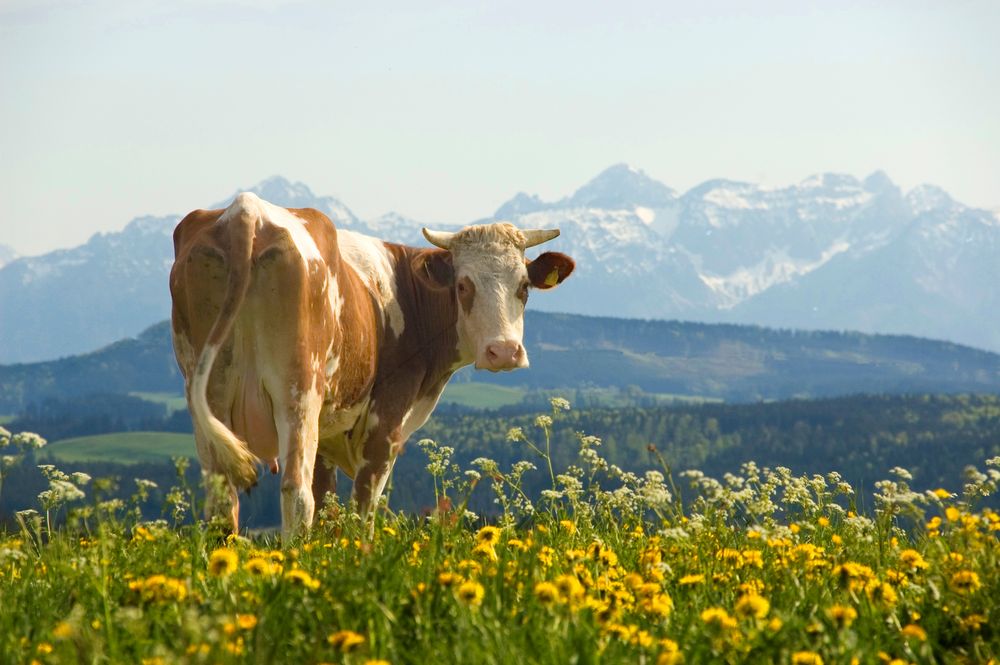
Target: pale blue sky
[(111, 109)]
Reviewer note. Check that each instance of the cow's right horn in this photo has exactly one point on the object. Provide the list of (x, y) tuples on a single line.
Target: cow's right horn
[(538, 236), (440, 239)]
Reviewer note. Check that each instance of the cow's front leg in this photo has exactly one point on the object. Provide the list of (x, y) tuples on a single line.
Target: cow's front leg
[(324, 480), (371, 478)]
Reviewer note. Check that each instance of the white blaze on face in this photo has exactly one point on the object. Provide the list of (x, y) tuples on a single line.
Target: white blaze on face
[(492, 258), (373, 264)]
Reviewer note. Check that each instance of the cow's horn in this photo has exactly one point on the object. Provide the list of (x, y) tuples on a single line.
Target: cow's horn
[(538, 236), (440, 239)]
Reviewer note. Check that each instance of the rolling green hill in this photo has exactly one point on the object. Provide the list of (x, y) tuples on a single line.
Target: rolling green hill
[(729, 362)]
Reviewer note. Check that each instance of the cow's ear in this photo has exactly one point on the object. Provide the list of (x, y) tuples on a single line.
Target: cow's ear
[(433, 267), (549, 269)]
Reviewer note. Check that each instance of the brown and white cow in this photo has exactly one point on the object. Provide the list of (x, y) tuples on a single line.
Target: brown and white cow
[(323, 348)]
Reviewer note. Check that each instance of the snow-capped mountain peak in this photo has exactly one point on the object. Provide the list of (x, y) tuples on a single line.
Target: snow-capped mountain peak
[(924, 198), (283, 192), (621, 187)]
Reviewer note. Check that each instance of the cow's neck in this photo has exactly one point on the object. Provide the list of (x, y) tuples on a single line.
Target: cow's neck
[(428, 344)]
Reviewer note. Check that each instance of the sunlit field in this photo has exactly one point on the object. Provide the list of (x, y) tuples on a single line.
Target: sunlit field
[(605, 566)]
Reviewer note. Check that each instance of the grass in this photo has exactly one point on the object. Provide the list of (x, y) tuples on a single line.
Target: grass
[(171, 401), (123, 447), (605, 567), (6, 419)]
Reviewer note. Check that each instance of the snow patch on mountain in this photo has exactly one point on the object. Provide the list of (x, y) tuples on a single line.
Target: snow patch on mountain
[(775, 268)]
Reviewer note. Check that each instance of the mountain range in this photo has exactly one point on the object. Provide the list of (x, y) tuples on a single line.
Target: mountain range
[(830, 252)]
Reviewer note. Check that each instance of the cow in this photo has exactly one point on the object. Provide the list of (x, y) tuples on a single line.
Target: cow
[(313, 348)]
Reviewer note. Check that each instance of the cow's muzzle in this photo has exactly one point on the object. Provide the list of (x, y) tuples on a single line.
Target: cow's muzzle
[(502, 355)]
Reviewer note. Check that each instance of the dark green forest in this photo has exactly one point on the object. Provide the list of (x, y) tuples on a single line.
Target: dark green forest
[(862, 437)]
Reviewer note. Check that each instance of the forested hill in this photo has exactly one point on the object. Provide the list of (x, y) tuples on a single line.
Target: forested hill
[(861, 437), (730, 362)]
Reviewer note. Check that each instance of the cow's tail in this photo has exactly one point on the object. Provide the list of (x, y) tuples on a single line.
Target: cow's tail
[(232, 455)]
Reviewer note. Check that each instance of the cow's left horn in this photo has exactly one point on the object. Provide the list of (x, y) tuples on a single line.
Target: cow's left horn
[(538, 236), (440, 239)]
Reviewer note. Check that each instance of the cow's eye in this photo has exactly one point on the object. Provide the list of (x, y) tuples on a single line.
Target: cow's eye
[(462, 288), (522, 293)]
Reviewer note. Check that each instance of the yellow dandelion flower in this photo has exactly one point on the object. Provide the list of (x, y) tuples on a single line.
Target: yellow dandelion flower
[(670, 653), (471, 593), (688, 580), (377, 661), (489, 535), (823, 521), (965, 582), (914, 631), (912, 560), (752, 606), (485, 551), (883, 593), (568, 526), (258, 566), (952, 513), (299, 577), (448, 578), (44, 648), (717, 617), (973, 622), (345, 641), (246, 621), (517, 544), (775, 624), (574, 555), (659, 604), (545, 556), (853, 576), (729, 556), (752, 558), (806, 658), (842, 615), (63, 630), (570, 588), (546, 593), (470, 567), (617, 630), (222, 562), (942, 493)]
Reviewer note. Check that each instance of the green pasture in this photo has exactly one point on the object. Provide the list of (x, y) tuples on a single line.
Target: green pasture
[(123, 447)]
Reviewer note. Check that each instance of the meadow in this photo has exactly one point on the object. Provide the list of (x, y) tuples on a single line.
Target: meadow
[(602, 566)]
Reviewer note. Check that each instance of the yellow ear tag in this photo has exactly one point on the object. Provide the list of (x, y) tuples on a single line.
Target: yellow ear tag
[(552, 278)]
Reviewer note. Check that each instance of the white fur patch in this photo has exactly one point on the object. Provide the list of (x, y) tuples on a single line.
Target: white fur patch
[(418, 414), (370, 260)]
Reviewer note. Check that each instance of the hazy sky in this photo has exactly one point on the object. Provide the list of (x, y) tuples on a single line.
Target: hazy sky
[(441, 111)]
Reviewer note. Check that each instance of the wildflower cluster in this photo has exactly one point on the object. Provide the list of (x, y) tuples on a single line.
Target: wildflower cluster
[(760, 566)]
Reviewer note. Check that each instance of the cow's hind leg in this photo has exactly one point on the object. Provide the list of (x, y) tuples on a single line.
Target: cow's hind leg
[(297, 444), (221, 499)]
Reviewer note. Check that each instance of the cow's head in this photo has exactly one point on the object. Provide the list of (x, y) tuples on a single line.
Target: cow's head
[(490, 278)]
